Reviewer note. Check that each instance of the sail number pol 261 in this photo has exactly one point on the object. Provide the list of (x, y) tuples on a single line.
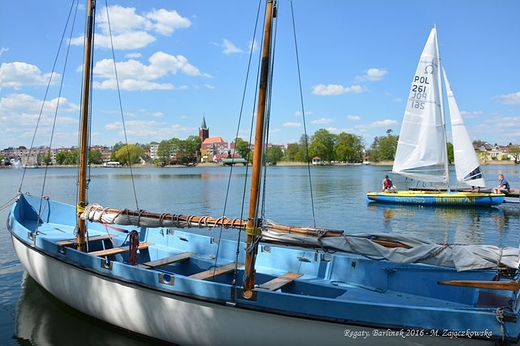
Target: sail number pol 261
[(419, 92)]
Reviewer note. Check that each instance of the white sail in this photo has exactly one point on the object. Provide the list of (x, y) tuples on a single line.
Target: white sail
[(467, 165), (421, 150)]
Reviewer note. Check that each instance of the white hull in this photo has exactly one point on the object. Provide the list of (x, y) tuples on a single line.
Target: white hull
[(167, 317), (185, 321)]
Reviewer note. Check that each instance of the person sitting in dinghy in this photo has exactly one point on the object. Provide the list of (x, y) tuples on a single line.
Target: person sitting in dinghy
[(503, 185), (388, 185)]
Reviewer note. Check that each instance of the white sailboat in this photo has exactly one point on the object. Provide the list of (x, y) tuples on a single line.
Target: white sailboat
[(422, 147), (141, 272)]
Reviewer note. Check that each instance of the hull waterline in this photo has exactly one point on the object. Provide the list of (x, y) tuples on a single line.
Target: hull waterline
[(457, 199)]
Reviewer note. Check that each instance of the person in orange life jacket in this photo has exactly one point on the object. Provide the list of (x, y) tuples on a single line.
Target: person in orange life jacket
[(388, 185)]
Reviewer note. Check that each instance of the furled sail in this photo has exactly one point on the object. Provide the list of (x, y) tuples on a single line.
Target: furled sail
[(396, 248)]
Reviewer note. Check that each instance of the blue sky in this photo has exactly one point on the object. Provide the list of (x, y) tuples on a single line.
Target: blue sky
[(178, 61)]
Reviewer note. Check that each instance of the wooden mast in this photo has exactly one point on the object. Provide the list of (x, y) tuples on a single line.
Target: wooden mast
[(252, 226), (84, 126)]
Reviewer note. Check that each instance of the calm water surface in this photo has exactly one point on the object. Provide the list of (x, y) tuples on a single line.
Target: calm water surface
[(30, 316)]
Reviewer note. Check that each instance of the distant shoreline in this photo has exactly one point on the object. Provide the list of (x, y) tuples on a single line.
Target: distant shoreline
[(283, 163), (494, 162)]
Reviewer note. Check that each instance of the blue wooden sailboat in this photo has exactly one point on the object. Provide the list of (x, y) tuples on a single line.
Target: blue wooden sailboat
[(422, 151), (281, 285)]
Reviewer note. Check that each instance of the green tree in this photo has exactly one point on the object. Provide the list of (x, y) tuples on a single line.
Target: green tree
[(191, 147), (44, 158), (129, 154), (273, 155), (115, 149), (322, 145), (242, 147), (514, 151), (67, 157), (451, 154), (349, 148), (164, 151), (291, 152), (303, 151), (95, 157), (383, 148)]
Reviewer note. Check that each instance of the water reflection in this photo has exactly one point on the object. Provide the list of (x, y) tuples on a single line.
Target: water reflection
[(38, 314), (443, 224)]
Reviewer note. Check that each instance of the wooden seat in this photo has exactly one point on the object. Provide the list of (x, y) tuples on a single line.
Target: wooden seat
[(211, 273), (70, 242), (118, 250), (168, 260), (280, 281)]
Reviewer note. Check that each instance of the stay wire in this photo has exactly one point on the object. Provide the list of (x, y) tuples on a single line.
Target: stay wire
[(46, 94), (241, 112), (72, 14), (303, 117), (121, 106), (66, 59)]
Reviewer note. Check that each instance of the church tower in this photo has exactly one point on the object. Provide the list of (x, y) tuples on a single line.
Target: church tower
[(203, 130)]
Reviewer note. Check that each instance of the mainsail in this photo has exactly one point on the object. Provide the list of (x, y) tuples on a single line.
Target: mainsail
[(421, 152)]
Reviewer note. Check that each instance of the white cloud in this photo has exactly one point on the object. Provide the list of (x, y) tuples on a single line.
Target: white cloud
[(130, 30), (384, 123), (19, 74), (322, 121), (23, 103), (353, 117), (20, 113), (160, 65), (336, 89), (508, 99), (150, 129), (134, 75), (166, 22), (292, 124), (474, 114), (131, 85), (230, 48), (133, 55), (371, 75), (299, 114)]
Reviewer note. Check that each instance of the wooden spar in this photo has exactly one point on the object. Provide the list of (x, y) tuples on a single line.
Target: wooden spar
[(493, 285), (252, 226), (208, 221), (84, 125)]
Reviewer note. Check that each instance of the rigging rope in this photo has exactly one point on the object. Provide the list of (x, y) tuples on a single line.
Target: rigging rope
[(266, 129), (121, 106), (71, 18), (306, 136), (246, 82)]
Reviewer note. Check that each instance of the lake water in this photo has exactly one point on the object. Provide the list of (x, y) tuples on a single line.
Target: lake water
[(28, 315)]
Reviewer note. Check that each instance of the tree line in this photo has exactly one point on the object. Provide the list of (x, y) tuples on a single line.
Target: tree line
[(329, 147)]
